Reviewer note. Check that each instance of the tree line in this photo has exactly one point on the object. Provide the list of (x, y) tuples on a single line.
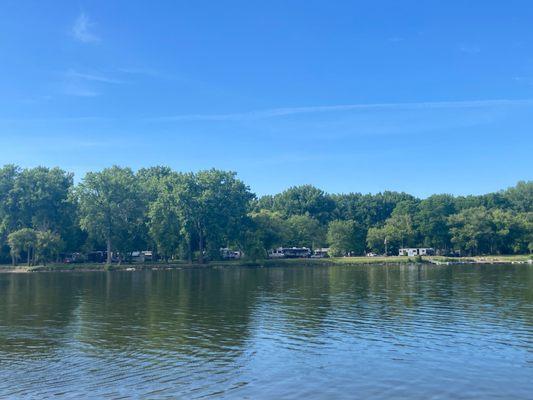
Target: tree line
[(190, 216)]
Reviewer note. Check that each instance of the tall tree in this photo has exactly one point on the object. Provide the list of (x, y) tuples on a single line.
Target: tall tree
[(432, 220), (22, 240), (397, 232), (8, 207), (110, 206), (368, 209), (164, 218), (305, 200), (271, 229), (305, 231), (47, 246), (345, 237), (521, 196), (472, 231), (41, 196), (149, 180), (213, 207)]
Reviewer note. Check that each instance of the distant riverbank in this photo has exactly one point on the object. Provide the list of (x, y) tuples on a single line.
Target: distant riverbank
[(310, 262)]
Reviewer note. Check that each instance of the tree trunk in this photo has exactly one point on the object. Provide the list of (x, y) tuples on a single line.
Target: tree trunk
[(29, 256), (13, 260), (109, 259), (189, 253), (201, 248)]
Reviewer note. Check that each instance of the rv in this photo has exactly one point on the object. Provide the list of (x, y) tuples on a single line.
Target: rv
[(276, 253), (419, 251), (141, 256), (321, 253), (228, 254), (290, 252)]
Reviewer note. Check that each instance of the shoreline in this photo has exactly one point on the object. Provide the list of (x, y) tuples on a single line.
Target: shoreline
[(274, 263)]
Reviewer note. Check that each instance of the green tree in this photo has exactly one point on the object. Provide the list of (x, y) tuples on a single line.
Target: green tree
[(251, 244), (271, 228), (304, 200), (345, 237), (472, 231), (266, 230), (8, 208), (213, 207), (397, 232), (164, 223), (110, 206), (263, 203), (305, 231), (512, 231), (376, 239), (526, 239), (150, 180), (22, 240), (432, 220), (41, 197), (47, 246), (369, 210), (520, 196)]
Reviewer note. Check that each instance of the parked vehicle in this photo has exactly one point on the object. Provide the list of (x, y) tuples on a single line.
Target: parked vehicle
[(228, 254), (276, 253), (417, 251), (141, 256), (321, 253), (290, 252)]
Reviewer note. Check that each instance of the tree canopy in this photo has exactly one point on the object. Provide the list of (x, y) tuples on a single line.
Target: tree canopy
[(192, 216), (110, 207)]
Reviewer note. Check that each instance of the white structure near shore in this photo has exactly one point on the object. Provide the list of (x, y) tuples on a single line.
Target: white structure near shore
[(416, 251)]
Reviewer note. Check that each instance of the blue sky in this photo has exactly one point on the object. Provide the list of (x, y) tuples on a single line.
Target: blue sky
[(423, 97)]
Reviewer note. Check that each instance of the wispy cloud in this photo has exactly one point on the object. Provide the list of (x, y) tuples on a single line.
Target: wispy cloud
[(82, 30), (92, 77), (140, 71), (154, 73), (82, 84), (55, 120), (281, 112)]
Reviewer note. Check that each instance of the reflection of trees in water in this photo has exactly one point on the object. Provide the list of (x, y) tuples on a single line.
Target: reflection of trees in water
[(310, 300), (213, 312), (297, 299), (399, 293), (190, 312), (36, 310)]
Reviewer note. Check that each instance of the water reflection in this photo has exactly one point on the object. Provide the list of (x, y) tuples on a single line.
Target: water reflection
[(379, 331)]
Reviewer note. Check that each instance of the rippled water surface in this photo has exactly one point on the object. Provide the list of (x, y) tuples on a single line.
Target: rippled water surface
[(412, 332)]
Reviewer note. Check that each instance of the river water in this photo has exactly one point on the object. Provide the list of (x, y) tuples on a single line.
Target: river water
[(409, 332)]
